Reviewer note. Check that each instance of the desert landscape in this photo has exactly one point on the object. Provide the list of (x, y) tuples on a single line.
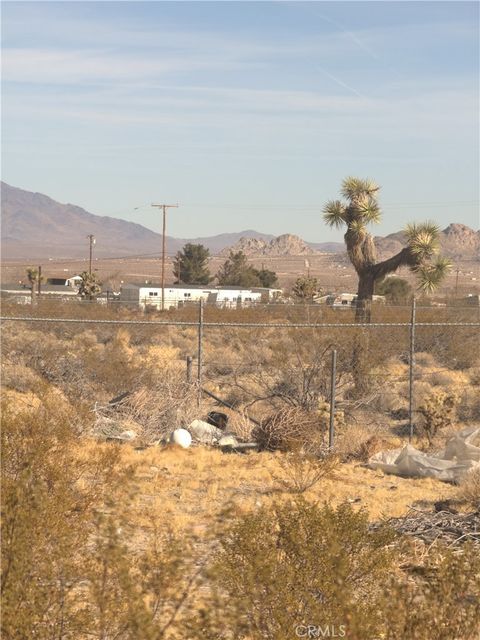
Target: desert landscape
[(240, 354)]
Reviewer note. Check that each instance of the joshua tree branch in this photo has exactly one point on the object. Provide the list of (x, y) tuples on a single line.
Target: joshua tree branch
[(405, 257)]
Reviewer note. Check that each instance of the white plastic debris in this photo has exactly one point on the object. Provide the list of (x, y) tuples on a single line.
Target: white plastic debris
[(181, 437), (128, 435), (204, 433), (228, 440), (461, 454)]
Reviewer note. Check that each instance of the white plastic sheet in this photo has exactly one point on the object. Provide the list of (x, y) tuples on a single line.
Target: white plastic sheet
[(204, 433), (461, 454)]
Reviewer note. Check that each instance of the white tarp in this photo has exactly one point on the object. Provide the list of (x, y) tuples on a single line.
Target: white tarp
[(204, 433), (461, 454)]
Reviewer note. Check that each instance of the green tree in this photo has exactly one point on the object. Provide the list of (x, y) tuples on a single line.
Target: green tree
[(396, 290), (33, 276), (267, 278), (90, 287), (236, 272), (305, 288), (360, 208), (190, 265)]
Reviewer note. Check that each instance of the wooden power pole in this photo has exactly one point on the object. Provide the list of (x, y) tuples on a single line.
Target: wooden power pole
[(164, 208), (91, 237), (39, 281)]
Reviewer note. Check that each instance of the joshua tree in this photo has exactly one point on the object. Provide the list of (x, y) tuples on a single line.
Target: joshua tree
[(305, 288), (360, 208), (33, 276), (90, 287)]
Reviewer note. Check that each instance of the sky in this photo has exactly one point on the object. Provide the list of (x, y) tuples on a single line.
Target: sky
[(246, 114)]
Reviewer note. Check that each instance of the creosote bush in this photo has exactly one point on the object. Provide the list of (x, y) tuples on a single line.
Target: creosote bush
[(70, 569), (299, 471), (295, 564)]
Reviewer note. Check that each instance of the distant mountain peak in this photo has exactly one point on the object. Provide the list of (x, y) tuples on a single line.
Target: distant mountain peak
[(285, 245)]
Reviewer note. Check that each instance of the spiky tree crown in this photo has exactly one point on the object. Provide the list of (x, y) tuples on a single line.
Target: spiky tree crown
[(360, 208), (89, 285)]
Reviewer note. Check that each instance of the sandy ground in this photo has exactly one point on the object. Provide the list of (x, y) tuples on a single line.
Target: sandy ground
[(192, 488)]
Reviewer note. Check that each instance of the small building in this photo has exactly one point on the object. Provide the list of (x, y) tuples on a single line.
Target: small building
[(344, 300), (21, 293), (179, 295), (74, 281), (473, 299)]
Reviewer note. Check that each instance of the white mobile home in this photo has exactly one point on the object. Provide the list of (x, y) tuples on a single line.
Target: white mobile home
[(149, 295)]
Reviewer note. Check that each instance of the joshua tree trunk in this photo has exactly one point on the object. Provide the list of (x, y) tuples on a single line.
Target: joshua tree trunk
[(366, 287), (367, 277)]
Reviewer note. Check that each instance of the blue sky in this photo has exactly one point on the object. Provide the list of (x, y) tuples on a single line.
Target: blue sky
[(248, 114)]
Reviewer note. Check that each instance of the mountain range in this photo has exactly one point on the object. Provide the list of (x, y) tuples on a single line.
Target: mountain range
[(35, 226)]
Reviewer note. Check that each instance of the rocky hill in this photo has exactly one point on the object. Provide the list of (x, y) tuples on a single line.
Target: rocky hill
[(456, 241), (284, 245)]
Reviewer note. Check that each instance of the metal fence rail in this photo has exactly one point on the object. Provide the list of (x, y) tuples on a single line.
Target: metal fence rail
[(259, 325)]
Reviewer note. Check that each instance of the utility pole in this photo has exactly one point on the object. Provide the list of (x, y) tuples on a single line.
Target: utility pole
[(307, 267), (39, 282), (164, 208), (91, 237), (456, 281)]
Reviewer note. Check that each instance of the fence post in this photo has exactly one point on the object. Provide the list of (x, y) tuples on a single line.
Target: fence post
[(331, 431), (200, 351), (189, 369), (411, 372)]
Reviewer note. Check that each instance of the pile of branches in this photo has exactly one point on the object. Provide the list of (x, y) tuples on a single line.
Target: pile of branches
[(290, 429), (450, 528)]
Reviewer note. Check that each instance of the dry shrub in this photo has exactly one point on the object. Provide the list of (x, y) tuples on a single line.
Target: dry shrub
[(300, 471), (425, 359), (290, 429), (436, 599), (468, 407), (19, 377), (374, 444), (474, 375), (72, 566), (241, 426), (469, 489), (295, 564), (438, 412), (358, 442)]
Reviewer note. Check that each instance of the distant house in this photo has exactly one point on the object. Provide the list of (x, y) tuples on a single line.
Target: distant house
[(21, 293), (148, 295), (344, 300), (73, 281), (473, 299)]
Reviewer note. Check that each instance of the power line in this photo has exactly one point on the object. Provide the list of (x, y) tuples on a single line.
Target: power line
[(310, 206)]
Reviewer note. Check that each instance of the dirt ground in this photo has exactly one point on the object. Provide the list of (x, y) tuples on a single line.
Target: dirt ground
[(334, 272), (194, 487)]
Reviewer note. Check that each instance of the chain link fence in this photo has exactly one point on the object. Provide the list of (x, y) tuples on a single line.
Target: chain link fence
[(395, 375)]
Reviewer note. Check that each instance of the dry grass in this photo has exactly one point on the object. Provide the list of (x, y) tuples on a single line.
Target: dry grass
[(469, 489), (194, 487)]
